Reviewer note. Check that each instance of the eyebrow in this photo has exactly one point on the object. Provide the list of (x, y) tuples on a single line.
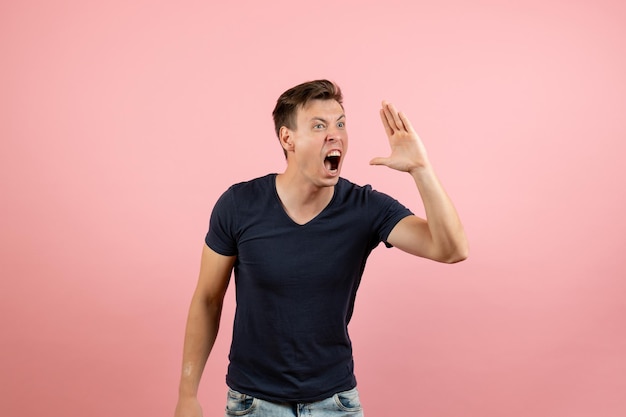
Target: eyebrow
[(321, 119)]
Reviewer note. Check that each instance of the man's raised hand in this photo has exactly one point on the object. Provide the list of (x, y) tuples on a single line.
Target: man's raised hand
[(407, 150)]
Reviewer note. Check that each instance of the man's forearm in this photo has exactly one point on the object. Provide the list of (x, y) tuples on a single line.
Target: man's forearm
[(200, 334), (444, 224)]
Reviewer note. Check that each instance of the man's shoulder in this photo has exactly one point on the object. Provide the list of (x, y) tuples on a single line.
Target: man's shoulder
[(244, 195), (259, 184), (346, 186), (350, 191)]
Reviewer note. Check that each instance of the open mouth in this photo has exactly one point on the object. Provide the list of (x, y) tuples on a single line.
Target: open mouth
[(331, 162)]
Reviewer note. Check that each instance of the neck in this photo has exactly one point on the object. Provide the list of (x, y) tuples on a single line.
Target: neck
[(302, 200), (301, 191)]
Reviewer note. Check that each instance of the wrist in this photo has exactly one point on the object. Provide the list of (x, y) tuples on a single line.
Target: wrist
[(420, 170), (187, 391), (186, 396)]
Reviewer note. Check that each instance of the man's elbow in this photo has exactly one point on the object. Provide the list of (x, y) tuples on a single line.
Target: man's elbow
[(456, 258), (458, 254)]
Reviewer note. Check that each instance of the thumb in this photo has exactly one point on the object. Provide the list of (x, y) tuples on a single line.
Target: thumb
[(379, 161)]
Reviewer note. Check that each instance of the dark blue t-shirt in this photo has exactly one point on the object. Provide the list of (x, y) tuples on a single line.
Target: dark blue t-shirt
[(296, 285)]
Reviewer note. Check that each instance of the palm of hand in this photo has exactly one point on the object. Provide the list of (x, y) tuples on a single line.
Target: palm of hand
[(407, 150)]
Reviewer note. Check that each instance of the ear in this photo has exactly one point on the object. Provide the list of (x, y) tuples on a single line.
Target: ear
[(286, 139)]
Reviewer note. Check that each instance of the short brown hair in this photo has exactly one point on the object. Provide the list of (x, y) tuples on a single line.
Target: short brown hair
[(287, 105)]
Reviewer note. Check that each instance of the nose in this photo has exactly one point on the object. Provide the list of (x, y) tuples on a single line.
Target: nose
[(334, 134)]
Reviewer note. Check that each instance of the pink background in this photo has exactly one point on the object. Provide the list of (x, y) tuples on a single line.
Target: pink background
[(123, 121)]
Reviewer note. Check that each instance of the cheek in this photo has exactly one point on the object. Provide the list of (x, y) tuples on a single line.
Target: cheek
[(308, 154)]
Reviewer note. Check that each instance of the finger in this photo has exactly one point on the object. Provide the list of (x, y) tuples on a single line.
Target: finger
[(396, 118), (383, 117), (406, 122), (389, 115)]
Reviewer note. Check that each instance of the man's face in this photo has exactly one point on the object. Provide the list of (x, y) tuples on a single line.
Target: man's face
[(320, 142)]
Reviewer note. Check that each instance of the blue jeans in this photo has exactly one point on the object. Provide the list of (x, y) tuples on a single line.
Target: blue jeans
[(342, 404)]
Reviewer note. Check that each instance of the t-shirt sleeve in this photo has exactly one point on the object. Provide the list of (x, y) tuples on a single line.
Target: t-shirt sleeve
[(221, 236), (385, 213)]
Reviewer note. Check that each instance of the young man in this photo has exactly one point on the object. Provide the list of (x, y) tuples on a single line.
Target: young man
[(298, 243)]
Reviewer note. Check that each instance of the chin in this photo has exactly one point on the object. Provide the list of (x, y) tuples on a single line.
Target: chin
[(331, 181)]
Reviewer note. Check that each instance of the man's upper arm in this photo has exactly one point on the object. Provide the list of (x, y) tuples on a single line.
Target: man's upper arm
[(215, 272), (411, 235)]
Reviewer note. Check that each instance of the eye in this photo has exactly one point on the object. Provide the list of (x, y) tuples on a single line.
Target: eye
[(341, 124), (319, 126)]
